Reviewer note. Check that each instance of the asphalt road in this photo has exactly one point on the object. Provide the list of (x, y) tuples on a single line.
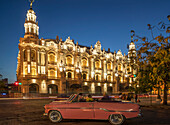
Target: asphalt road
[(30, 112)]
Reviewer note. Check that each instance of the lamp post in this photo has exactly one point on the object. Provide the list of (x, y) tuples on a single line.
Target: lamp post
[(130, 87), (117, 82), (127, 79), (62, 73)]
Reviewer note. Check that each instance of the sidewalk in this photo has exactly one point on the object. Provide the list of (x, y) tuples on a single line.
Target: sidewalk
[(50, 97), (153, 103)]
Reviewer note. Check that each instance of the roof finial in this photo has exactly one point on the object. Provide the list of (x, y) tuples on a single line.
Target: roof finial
[(31, 3)]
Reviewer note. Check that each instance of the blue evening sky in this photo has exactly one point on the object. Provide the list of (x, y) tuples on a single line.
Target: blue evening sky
[(85, 21)]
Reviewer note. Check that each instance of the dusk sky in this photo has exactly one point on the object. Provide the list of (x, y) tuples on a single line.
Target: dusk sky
[(85, 21)]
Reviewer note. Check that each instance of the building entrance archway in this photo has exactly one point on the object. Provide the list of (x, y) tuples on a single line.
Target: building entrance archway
[(52, 89), (109, 90), (85, 89), (33, 88), (98, 90), (74, 88)]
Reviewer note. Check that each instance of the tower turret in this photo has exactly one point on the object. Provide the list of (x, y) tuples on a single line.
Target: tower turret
[(132, 50), (31, 26)]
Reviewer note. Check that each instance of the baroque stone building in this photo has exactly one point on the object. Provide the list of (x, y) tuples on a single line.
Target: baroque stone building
[(56, 66)]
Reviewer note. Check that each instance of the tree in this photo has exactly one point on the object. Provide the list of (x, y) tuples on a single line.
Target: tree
[(2, 86), (154, 58)]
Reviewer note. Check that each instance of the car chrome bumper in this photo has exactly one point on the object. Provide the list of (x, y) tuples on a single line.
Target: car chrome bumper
[(45, 114)]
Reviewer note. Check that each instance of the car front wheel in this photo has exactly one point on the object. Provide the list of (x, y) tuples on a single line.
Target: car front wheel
[(55, 116), (116, 119)]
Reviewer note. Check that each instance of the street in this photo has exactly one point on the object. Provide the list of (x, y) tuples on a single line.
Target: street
[(30, 112)]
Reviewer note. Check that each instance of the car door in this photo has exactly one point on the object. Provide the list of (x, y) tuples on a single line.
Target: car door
[(101, 109), (80, 110)]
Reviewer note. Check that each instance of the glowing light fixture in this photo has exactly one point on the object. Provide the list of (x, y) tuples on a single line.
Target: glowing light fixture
[(53, 81)]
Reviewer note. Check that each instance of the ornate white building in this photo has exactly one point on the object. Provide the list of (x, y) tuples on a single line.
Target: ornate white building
[(56, 66)]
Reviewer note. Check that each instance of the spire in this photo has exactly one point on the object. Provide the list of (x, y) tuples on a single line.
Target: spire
[(31, 4), (31, 25)]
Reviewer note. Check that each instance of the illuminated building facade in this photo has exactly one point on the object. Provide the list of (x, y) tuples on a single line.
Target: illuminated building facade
[(55, 66)]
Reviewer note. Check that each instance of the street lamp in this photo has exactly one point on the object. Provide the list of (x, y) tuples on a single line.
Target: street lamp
[(117, 80), (126, 75)]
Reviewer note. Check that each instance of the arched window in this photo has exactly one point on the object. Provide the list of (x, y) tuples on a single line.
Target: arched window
[(119, 67), (108, 66), (25, 55), (97, 77), (84, 62), (52, 72), (97, 64), (84, 76), (69, 60), (69, 74), (33, 71), (51, 57), (109, 78), (32, 55)]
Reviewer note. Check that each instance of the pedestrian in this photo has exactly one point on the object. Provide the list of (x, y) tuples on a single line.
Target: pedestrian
[(136, 98), (123, 97), (106, 97), (89, 98), (81, 98)]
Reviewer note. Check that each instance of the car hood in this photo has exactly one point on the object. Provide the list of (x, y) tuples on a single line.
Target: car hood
[(58, 102)]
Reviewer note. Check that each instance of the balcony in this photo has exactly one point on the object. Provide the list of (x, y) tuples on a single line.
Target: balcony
[(52, 63), (70, 65), (85, 67), (31, 76), (98, 68), (53, 77), (110, 70)]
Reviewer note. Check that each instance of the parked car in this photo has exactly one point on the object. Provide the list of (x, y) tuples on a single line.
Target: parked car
[(114, 111), (144, 95)]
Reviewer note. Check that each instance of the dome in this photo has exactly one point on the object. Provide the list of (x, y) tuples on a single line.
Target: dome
[(132, 43)]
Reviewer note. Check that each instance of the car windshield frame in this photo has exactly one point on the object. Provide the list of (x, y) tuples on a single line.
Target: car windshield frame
[(70, 99)]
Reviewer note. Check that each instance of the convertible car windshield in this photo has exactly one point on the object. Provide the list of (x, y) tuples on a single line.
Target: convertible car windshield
[(71, 97)]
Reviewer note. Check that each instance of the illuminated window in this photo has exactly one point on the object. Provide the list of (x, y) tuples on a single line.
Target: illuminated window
[(42, 59), (32, 55), (97, 64), (84, 76), (97, 77), (119, 67), (28, 68), (33, 71), (69, 60), (38, 69), (69, 74), (43, 70), (109, 78), (51, 57), (25, 55), (109, 66), (52, 72), (84, 62), (121, 79)]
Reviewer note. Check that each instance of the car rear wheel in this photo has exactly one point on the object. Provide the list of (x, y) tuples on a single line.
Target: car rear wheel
[(117, 119), (55, 116)]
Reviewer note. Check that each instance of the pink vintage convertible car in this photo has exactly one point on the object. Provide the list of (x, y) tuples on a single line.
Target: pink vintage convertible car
[(114, 111)]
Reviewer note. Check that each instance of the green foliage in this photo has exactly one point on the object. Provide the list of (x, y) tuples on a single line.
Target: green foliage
[(2, 86), (154, 60)]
